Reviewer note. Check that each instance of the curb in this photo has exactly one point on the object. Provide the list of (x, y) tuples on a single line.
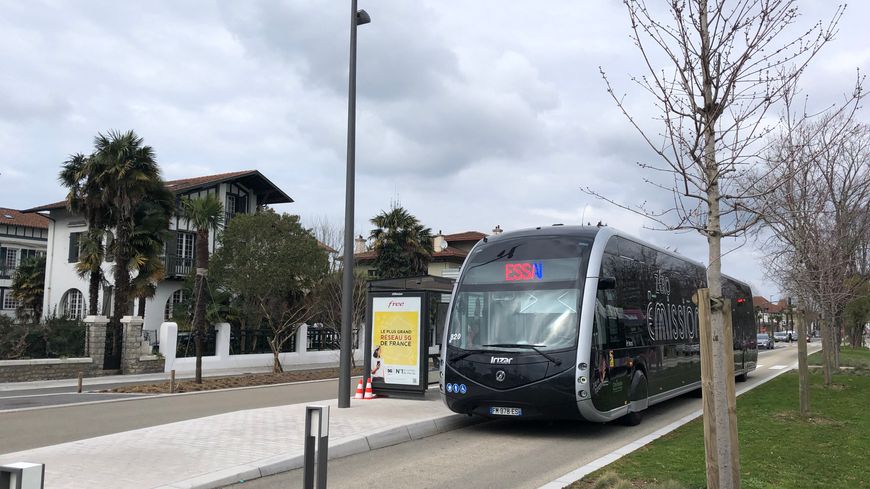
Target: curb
[(346, 447)]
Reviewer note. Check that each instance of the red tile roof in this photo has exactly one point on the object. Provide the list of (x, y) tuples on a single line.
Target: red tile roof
[(47, 207), (17, 218), (186, 183), (466, 236), (365, 255), (325, 247), (277, 196), (767, 306), (448, 254)]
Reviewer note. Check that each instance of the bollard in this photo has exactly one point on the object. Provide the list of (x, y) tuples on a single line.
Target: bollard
[(22, 475), (316, 434), (172, 381), (80, 383)]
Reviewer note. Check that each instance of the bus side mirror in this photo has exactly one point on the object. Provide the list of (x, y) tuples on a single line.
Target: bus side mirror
[(606, 283)]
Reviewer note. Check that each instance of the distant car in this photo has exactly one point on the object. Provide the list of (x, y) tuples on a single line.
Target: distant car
[(780, 336), (764, 341)]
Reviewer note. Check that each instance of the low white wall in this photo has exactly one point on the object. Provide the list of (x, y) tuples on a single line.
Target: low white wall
[(223, 359)]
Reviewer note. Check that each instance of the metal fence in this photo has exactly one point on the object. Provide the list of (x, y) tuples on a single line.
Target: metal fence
[(186, 345), (255, 341), (251, 341), (322, 339)]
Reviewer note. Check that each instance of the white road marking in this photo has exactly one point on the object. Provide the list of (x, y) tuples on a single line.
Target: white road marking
[(778, 367), (759, 365)]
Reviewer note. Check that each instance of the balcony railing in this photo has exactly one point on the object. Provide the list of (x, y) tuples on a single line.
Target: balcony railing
[(178, 266)]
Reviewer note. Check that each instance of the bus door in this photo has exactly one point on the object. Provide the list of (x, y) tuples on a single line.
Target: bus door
[(610, 359)]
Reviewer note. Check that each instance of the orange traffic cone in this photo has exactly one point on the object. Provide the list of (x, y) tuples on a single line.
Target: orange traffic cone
[(359, 390), (369, 394)]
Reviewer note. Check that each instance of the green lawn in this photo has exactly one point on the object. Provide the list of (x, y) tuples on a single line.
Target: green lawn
[(778, 449), (849, 357)]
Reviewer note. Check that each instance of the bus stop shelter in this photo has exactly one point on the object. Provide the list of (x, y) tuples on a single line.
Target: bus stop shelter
[(405, 319)]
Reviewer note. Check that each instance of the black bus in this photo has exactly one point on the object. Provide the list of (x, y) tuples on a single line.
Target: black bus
[(572, 322)]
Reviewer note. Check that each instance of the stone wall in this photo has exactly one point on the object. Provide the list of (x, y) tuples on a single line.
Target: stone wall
[(136, 358), (46, 369), (146, 364)]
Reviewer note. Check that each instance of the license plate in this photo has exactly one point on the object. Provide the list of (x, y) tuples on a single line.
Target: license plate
[(505, 411)]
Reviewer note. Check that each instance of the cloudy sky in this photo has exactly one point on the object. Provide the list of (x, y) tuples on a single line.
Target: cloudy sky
[(470, 114)]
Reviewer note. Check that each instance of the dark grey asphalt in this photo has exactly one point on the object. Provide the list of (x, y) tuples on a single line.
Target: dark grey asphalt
[(30, 401)]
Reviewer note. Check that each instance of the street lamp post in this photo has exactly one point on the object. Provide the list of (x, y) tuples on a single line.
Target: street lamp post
[(357, 18)]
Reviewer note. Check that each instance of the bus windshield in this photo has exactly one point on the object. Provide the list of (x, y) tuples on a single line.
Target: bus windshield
[(520, 292)]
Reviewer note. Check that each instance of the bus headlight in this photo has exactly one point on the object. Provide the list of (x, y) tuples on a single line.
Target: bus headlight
[(582, 379), (582, 393), (582, 367)]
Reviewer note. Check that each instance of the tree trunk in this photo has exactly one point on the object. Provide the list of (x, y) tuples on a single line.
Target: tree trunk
[(803, 371), (826, 349), (122, 284), (94, 293), (276, 364), (201, 297), (725, 421)]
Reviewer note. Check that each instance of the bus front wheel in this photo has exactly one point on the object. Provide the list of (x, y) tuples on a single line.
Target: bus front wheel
[(637, 394)]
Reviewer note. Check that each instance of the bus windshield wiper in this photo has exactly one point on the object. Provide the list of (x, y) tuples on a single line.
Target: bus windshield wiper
[(529, 347), (460, 356)]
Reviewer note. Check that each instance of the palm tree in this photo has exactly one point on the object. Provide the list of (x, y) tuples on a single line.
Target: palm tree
[(28, 284), (126, 173), (403, 245), (79, 174), (150, 231), (203, 214)]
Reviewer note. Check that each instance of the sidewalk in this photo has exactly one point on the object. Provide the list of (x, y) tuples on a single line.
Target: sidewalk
[(155, 377), (243, 445)]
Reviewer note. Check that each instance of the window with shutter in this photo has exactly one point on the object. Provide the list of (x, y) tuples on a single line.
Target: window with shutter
[(74, 247)]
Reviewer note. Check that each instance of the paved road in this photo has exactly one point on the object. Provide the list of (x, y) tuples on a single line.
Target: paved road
[(506, 453), (19, 401), (22, 430)]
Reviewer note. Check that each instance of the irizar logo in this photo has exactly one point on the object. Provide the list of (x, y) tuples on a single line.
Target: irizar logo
[(501, 360)]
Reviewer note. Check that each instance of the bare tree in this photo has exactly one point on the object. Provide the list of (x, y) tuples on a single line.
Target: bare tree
[(813, 193), (284, 319), (327, 302), (330, 235), (726, 64)]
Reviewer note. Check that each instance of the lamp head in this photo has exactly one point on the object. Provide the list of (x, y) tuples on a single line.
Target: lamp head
[(362, 17)]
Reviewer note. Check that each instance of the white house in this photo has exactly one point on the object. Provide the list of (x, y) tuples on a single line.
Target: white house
[(66, 293), (21, 236)]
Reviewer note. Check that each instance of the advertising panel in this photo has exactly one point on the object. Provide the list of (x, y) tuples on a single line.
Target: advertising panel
[(395, 357)]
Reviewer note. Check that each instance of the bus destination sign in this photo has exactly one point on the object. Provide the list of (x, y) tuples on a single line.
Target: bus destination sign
[(523, 271)]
